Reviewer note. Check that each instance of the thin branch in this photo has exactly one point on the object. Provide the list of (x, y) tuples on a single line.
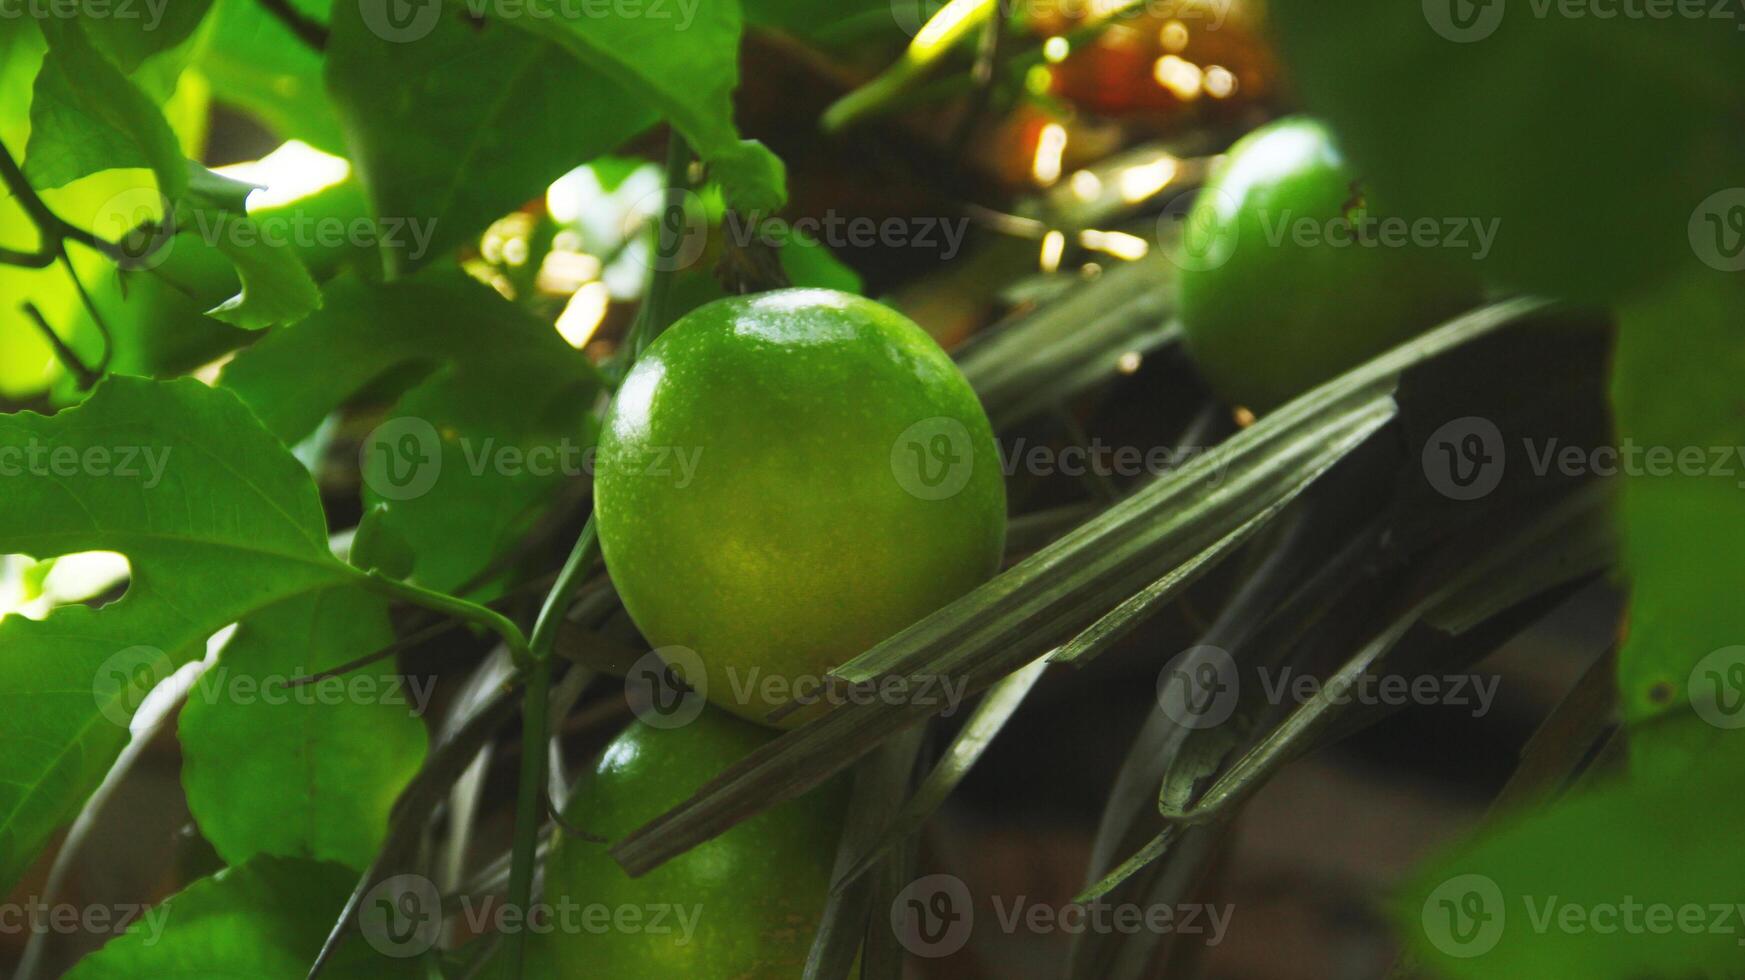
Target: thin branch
[(989, 51), (86, 375), (403, 643), (54, 231), (29, 260), (306, 29), (91, 309)]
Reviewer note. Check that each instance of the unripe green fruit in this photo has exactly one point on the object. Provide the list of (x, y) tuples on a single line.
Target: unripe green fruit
[(745, 904), (788, 478), (1287, 280)]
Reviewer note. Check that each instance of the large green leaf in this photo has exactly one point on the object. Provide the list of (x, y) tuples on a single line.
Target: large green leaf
[(264, 921), (1637, 880), (685, 64), (466, 124), (324, 762), (218, 521), (1683, 508), (86, 116), (465, 478), (1589, 138), (256, 64)]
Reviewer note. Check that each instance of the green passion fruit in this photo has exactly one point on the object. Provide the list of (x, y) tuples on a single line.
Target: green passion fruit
[(784, 480), (1287, 279), (745, 904)]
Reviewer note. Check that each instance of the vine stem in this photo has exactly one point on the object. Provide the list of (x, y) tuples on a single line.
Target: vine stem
[(462, 609), (530, 797)]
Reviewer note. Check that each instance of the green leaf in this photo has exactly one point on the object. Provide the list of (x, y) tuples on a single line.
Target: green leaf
[(265, 921), (217, 520), (685, 65), (1589, 139), (86, 116), (276, 288), (131, 33), (324, 761), (1683, 515), (467, 124), (461, 466), (1635, 880), (257, 65)]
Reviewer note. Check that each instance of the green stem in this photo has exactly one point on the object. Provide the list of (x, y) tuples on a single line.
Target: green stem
[(461, 609), (536, 697), (656, 311)]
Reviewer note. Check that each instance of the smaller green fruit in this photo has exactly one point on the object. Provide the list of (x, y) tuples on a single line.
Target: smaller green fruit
[(743, 905), (1287, 280)]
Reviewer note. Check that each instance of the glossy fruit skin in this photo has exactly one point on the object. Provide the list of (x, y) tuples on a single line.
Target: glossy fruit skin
[(1267, 316), (754, 894), (845, 484)]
